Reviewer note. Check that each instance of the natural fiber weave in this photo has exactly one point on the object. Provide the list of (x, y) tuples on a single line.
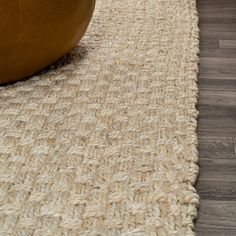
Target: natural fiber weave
[(105, 142)]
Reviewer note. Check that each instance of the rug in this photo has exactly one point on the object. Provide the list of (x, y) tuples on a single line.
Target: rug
[(103, 143)]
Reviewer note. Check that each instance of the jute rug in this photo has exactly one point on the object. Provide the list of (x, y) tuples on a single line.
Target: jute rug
[(104, 142)]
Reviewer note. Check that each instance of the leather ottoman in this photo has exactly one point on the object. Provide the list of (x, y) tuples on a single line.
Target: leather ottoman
[(35, 33)]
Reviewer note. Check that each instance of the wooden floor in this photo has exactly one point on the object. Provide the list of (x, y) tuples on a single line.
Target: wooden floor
[(217, 121)]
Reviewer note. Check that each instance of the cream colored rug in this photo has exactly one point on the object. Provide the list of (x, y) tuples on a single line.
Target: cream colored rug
[(105, 142)]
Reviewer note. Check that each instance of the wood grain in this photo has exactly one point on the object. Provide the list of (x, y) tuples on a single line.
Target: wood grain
[(217, 218), (213, 147), (216, 184), (227, 43), (212, 190)]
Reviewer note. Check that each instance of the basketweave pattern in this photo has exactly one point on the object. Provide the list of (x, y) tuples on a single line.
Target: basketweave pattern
[(104, 141)]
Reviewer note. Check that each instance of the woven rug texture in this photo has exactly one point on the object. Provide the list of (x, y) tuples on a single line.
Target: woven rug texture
[(103, 143)]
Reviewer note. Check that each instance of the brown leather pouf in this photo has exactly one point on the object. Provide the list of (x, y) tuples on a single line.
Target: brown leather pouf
[(35, 33)]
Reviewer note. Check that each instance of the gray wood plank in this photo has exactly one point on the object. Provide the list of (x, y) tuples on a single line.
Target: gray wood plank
[(217, 129), (218, 76), (213, 147), (217, 216), (218, 98), (217, 26), (217, 121), (205, 34), (218, 52), (214, 12), (210, 44), (220, 65), (216, 4), (227, 44), (220, 174), (217, 190), (221, 85)]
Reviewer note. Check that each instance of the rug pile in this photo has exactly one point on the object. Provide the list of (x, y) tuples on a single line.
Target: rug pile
[(104, 141)]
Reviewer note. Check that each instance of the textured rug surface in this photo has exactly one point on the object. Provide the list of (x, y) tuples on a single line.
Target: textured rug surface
[(104, 141)]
